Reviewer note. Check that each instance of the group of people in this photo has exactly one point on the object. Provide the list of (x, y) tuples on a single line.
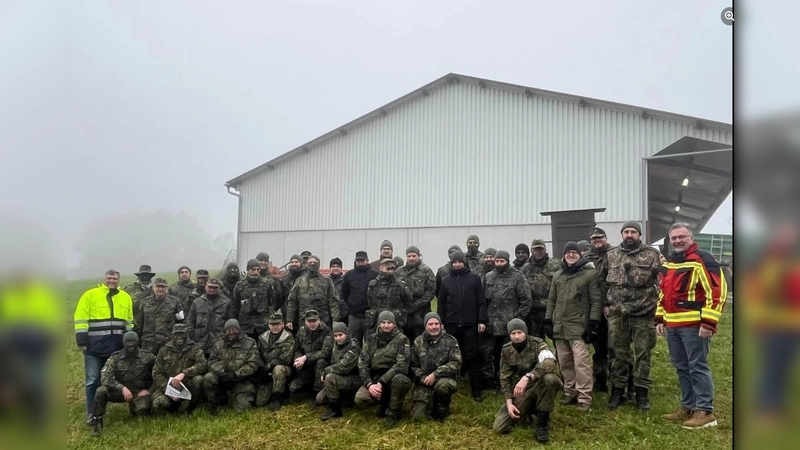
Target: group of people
[(369, 336)]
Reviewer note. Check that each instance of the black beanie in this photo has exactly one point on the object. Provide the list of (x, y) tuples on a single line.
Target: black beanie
[(335, 261), (522, 247), (631, 224), (572, 246), (458, 256)]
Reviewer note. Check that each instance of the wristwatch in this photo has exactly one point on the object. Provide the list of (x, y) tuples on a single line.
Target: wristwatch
[(529, 376)]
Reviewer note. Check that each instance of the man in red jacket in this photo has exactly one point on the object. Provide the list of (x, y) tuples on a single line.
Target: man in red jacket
[(692, 297)]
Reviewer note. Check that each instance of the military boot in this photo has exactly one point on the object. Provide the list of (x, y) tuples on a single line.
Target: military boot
[(276, 402), (642, 402), (617, 398), (543, 427), (97, 427), (631, 388), (392, 417), (600, 384), (443, 409), (334, 410)]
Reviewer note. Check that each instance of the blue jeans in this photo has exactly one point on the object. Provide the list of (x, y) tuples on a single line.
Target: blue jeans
[(689, 355), (92, 366)]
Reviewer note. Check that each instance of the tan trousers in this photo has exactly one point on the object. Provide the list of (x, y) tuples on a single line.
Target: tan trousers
[(576, 368)]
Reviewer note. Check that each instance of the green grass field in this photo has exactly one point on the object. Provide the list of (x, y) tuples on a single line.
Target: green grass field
[(469, 426)]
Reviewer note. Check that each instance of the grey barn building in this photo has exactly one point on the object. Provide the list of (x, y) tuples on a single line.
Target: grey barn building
[(464, 155)]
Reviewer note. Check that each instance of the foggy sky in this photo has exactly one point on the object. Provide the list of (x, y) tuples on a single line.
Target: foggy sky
[(118, 106)]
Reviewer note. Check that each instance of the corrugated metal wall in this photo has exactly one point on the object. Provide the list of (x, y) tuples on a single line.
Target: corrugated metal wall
[(465, 156)]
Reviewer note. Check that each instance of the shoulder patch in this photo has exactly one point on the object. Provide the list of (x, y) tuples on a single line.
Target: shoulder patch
[(372, 282)]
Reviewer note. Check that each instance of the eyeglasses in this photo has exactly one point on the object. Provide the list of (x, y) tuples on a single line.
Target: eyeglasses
[(680, 238), (597, 238), (572, 253), (391, 269)]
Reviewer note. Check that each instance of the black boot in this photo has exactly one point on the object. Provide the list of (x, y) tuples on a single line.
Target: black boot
[(631, 387), (392, 417), (600, 384), (97, 427), (276, 403), (617, 398), (334, 410), (543, 427), (642, 402), (443, 409)]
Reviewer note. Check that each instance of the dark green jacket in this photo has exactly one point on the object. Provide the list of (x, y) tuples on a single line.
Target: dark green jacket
[(575, 298)]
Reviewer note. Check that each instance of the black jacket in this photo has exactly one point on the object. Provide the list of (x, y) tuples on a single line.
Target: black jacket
[(354, 289), (461, 299)]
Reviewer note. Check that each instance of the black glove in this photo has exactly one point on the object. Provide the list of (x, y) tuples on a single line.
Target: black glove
[(589, 335), (547, 328), (226, 377)]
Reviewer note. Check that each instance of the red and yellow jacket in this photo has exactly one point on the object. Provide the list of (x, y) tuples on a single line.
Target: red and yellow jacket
[(693, 290)]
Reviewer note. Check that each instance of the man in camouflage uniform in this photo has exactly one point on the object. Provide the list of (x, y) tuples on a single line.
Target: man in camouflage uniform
[(184, 361), (598, 255), (539, 271), (421, 281), (268, 275), (383, 365), (488, 262), (521, 256), (127, 377), (386, 251), (530, 380), (312, 353), (253, 301), (336, 275), (296, 270), (435, 366), (229, 280), (387, 293), (475, 260), (207, 317), (485, 349), (342, 374), (184, 287), (154, 316), (312, 291), (276, 347), (508, 296), (199, 290), (267, 270), (632, 277), (143, 285), (305, 254), (233, 363), (444, 271)]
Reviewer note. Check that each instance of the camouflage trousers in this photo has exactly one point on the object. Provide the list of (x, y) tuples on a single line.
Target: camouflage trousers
[(138, 406), (442, 389), (243, 392), (640, 331), (309, 377), (163, 403), (392, 396), (274, 383), (539, 396), (335, 384)]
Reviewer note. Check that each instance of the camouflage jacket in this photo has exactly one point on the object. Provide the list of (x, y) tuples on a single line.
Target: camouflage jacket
[(227, 286), (475, 263), (153, 320), (384, 355), (287, 283), (183, 290), (515, 364), (508, 296), (206, 319), (279, 352), (172, 360), (278, 299), (387, 295), (440, 355), (600, 261), (632, 277), (540, 275), (313, 291), (376, 265), (421, 281), (315, 344), (575, 299), (253, 303), (134, 373), (137, 291), (344, 360), (239, 357)]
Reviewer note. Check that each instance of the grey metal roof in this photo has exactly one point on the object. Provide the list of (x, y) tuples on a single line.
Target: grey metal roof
[(424, 91)]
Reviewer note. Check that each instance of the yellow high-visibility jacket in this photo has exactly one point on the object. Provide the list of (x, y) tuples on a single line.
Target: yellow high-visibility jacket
[(101, 318)]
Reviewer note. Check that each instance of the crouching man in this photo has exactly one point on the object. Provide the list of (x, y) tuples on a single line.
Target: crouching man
[(530, 380), (234, 360), (184, 361), (276, 347), (435, 366), (341, 377)]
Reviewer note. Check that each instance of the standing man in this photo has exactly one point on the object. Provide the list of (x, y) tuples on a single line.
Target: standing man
[(184, 361), (598, 255), (266, 267), (474, 256), (435, 366), (206, 320), (354, 293), (142, 287), (268, 273), (154, 316), (692, 298), (337, 276), (296, 270), (539, 271), (312, 291), (584, 246), (230, 279), (253, 301), (101, 317), (305, 254), (631, 275), (276, 347), (444, 271), (199, 290), (522, 254), (488, 262), (386, 293), (386, 252), (231, 369), (462, 308), (421, 281), (342, 374), (509, 297), (184, 287)]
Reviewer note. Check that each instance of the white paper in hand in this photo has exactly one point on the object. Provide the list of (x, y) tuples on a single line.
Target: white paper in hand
[(181, 393)]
